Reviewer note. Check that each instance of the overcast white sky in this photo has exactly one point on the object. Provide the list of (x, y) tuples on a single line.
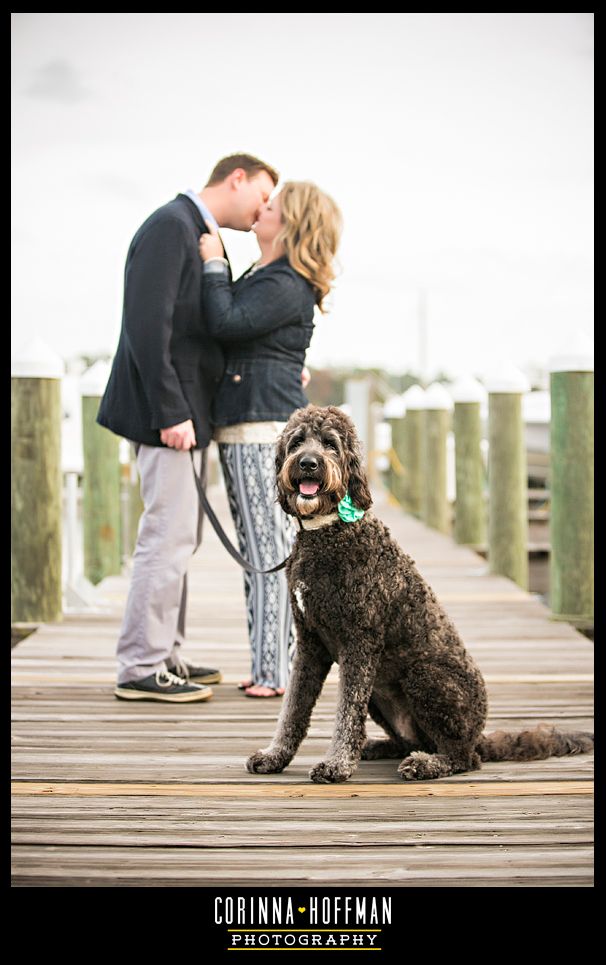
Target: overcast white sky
[(458, 146)]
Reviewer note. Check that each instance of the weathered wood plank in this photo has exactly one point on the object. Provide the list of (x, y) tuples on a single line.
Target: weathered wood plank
[(321, 866), (115, 737), (42, 881), (325, 792), (564, 810), (85, 834), (211, 769)]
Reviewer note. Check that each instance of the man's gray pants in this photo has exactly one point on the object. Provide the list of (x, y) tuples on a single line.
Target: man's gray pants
[(170, 531)]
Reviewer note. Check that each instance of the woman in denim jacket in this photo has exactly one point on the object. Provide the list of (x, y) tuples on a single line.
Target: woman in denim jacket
[(264, 322)]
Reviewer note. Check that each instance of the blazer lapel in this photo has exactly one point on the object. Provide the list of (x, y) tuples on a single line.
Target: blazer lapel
[(203, 228)]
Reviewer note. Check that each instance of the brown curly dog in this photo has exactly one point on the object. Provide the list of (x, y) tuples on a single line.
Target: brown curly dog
[(357, 598)]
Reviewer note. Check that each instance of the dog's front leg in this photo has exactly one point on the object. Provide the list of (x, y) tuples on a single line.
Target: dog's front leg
[(310, 669), (356, 679)]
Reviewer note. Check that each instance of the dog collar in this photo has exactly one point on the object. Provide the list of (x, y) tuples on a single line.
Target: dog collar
[(317, 522), (346, 511)]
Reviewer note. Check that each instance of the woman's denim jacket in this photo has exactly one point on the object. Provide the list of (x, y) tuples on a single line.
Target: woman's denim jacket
[(264, 322)]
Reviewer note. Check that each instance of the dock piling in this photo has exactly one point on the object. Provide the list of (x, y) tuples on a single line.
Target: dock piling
[(572, 511), (437, 408), (470, 507), (101, 483), (507, 476), (36, 485)]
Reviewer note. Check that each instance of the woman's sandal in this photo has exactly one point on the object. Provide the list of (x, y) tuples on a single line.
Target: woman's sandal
[(273, 691)]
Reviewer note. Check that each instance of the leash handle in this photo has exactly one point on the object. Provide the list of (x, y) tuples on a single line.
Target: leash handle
[(219, 529)]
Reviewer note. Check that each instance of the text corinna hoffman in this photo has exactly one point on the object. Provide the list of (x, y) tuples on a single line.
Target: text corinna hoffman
[(335, 911)]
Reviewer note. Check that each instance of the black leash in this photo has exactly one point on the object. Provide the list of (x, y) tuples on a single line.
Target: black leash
[(219, 529)]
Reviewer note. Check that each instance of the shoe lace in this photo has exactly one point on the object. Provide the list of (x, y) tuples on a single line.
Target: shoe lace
[(169, 679), (181, 668)]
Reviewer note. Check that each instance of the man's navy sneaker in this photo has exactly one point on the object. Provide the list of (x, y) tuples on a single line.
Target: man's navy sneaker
[(164, 686)]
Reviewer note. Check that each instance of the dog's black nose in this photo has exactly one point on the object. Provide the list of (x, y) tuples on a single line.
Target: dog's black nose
[(308, 463)]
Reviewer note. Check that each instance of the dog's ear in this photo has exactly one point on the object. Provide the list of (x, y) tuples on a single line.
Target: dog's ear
[(358, 483), (280, 457), (280, 452)]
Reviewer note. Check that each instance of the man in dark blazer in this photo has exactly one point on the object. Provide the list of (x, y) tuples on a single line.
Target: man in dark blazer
[(159, 393)]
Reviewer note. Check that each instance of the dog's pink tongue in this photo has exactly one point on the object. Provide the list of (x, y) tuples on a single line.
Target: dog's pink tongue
[(309, 488)]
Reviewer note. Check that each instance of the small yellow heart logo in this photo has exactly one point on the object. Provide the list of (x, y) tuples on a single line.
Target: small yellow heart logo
[(302, 909)]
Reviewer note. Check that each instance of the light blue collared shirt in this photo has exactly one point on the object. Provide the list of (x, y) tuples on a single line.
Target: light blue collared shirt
[(217, 265), (206, 214)]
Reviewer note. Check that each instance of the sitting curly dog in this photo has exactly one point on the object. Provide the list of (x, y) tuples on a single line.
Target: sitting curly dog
[(357, 598)]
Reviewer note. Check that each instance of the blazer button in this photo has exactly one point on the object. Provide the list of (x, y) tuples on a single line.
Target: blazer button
[(236, 378)]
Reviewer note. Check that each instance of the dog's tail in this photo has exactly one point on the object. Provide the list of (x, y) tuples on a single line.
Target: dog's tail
[(532, 745)]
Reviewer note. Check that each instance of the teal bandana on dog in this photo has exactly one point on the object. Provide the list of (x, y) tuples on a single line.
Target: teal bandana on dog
[(347, 511)]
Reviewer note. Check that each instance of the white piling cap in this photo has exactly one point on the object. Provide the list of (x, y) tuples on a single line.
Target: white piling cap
[(468, 389), (414, 397), (506, 378), (37, 361), (437, 397), (394, 408), (94, 380), (383, 436), (575, 356)]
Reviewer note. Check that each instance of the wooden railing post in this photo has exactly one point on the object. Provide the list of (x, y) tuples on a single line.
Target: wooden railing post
[(507, 476), (437, 417), (414, 400), (36, 485), (101, 482), (470, 506), (572, 513)]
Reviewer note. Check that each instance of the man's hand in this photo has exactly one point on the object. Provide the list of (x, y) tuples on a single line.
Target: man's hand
[(210, 245), (181, 436), (305, 377)]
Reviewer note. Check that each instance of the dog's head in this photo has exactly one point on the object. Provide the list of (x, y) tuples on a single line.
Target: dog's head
[(318, 461)]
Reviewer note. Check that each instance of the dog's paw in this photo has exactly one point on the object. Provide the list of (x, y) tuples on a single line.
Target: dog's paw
[(371, 750), (264, 763), (419, 766), (379, 749), (330, 772)]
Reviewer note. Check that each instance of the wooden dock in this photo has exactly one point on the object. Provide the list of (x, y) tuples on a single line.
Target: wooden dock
[(111, 793)]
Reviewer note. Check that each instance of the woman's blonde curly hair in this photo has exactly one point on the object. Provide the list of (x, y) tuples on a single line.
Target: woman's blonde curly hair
[(311, 233)]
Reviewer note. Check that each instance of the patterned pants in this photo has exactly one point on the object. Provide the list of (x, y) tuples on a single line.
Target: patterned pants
[(265, 537)]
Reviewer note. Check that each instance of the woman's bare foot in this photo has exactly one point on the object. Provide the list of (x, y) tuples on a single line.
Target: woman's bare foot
[(256, 690)]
